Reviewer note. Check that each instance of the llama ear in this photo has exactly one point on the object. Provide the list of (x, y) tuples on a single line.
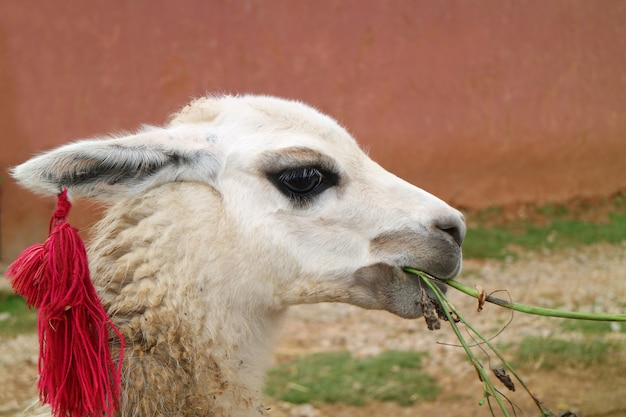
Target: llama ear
[(106, 168)]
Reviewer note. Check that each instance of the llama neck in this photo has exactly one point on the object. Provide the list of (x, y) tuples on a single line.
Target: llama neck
[(178, 368), (197, 343)]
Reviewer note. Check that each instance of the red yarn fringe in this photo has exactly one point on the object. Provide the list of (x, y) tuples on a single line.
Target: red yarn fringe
[(77, 375)]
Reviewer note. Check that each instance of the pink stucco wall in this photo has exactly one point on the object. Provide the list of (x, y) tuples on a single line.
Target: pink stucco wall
[(482, 102)]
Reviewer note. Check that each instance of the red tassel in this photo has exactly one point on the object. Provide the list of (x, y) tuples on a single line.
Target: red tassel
[(77, 375)]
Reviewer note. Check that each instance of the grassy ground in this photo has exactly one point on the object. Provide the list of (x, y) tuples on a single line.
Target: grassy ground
[(337, 377), (501, 232), (15, 316), (550, 353)]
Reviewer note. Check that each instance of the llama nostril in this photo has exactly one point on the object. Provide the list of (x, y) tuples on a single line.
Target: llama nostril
[(452, 225), (455, 232)]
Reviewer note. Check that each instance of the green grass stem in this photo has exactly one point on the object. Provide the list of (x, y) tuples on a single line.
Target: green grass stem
[(489, 389), (540, 311)]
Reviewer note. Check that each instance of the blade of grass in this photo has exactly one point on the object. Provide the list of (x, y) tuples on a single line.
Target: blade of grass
[(540, 311), (489, 389), (544, 412)]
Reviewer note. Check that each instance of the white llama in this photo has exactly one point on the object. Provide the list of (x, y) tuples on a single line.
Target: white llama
[(216, 223)]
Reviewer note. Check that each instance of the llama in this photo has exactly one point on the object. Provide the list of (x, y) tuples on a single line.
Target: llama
[(216, 223)]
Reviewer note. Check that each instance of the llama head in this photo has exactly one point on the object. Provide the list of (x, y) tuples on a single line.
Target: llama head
[(316, 219)]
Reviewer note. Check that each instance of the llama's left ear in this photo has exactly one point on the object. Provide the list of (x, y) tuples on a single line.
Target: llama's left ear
[(106, 168)]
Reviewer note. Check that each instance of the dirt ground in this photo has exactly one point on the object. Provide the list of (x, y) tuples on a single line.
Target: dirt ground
[(587, 279)]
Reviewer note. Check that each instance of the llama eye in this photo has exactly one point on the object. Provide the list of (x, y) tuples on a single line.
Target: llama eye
[(301, 181), (302, 184)]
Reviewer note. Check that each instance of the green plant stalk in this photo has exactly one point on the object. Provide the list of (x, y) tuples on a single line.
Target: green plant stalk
[(488, 388), (544, 412), (547, 312)]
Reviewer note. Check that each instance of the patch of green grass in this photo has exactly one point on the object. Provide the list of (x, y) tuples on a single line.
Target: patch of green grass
[(552, 353), (337, 377), (487, 242), (502, 241), (15, 316)]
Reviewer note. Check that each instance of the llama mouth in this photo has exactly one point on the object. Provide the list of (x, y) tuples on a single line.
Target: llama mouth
[(413, 273), (416, 275), (431, 307), (388, 287), (443, 268), (439, 273)]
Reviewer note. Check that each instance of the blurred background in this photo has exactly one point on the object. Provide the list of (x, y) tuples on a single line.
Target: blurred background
[(482, 103)]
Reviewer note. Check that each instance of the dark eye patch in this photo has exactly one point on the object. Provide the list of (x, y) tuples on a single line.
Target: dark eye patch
[(300, 173)]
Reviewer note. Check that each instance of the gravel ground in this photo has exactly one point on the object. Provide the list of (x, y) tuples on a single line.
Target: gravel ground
[(591, 278)]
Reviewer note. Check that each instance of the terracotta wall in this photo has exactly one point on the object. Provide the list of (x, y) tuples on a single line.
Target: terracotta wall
[(480, 102)]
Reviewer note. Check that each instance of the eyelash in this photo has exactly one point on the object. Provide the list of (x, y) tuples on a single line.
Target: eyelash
[(301, 185)]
